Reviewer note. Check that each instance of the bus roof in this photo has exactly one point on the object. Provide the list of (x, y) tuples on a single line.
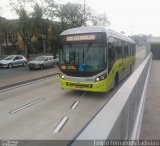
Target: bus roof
[(96, 29)]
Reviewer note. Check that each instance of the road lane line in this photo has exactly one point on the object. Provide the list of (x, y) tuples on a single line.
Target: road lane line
[(25, 106), (74, 105), (61, 125)]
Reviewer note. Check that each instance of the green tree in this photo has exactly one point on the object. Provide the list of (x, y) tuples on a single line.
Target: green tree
[(99, 19), (30, 17), (50, 9), (70, 15), (26, 29), (6, 31)]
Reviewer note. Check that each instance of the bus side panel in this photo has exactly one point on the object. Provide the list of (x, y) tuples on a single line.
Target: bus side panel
[(119, 67), (116, 68)]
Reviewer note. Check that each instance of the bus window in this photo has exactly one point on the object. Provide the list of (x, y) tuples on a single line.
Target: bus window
[(130, 50), (116, 46), (112, 54), (126, 49), (119, 48)]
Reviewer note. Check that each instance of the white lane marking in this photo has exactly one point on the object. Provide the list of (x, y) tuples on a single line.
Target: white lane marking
[(61, 124), (75, 105), (26, 105)]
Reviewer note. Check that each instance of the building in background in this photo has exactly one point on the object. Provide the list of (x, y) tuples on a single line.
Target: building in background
[(153, 43), (41, 43)]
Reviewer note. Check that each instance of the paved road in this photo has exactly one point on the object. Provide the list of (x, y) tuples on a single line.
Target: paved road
[(39, 120)]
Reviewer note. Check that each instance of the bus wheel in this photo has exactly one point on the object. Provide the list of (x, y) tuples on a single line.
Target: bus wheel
[(116, 79)]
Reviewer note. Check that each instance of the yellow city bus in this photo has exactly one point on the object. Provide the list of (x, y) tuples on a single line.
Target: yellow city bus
[(94, 58)]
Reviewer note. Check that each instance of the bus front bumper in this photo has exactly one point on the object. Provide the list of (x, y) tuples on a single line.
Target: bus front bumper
[(100, 86)]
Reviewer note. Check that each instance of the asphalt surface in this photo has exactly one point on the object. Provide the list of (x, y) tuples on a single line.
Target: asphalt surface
[(39, 120), (34, 110)]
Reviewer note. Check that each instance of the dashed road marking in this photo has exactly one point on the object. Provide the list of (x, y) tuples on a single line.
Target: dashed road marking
[(61, 125), (74, 105), (26, 105)]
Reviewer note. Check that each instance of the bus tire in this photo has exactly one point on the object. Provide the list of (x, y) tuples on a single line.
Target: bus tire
[(116, 79)]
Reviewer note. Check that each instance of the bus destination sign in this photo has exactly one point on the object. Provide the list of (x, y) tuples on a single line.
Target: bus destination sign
[(88, 37)]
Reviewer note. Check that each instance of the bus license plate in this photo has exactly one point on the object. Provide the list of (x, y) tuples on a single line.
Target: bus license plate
[(79, 88)]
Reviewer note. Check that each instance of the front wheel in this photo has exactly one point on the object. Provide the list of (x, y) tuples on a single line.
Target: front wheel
[(25, 64), (53, 64), (41, 67), (10, 65)]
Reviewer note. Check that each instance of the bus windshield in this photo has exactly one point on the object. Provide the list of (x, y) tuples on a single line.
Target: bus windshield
[(83, 59)]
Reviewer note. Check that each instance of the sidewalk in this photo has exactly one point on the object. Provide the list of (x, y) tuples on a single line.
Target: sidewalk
[(150, 128)]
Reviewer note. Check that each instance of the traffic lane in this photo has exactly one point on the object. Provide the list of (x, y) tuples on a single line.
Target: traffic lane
[(38, 121), (18, 75), (7, 71), (33, 121), (88, 107)]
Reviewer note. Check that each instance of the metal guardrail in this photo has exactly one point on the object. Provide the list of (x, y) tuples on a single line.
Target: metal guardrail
[(121, 118)]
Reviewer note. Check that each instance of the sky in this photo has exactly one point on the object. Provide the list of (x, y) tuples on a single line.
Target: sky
[(131, 16)]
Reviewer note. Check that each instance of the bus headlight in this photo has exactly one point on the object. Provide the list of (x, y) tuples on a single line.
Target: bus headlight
[(100, 78), (97, 79), (62, 76)]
